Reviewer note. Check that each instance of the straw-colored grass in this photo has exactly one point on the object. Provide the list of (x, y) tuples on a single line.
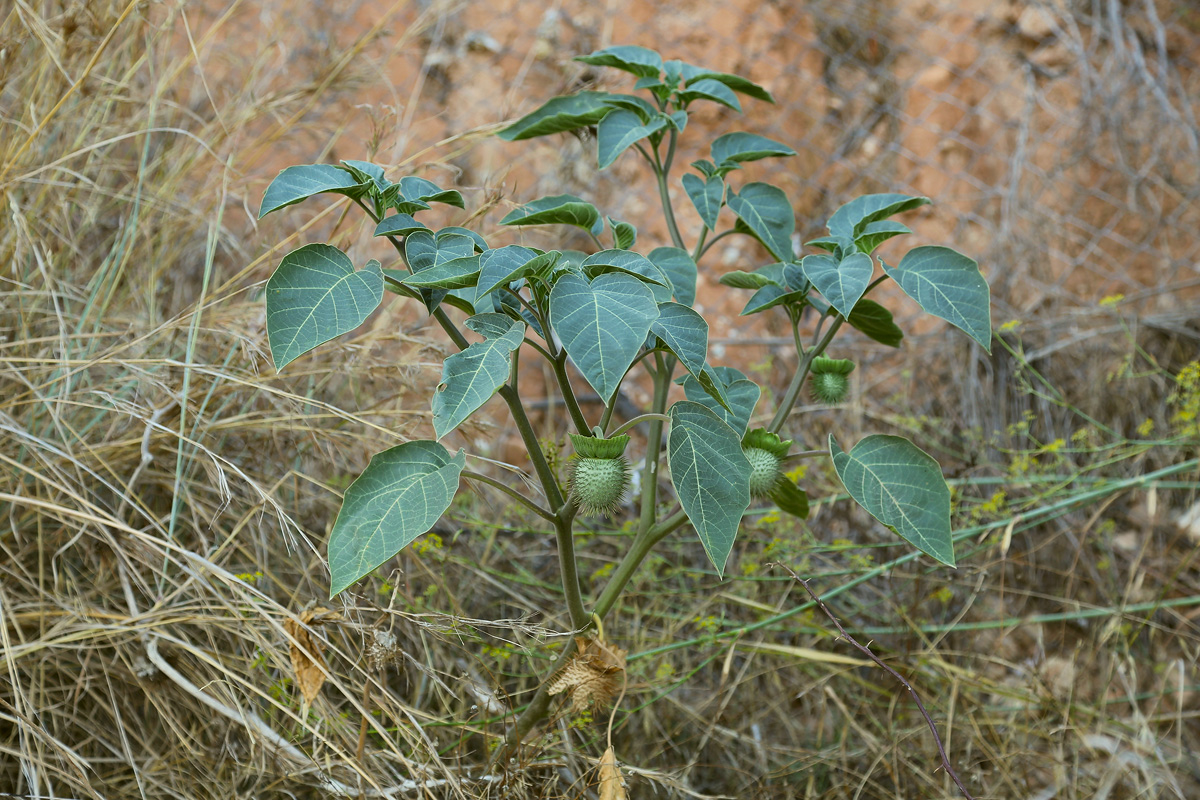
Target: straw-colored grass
[(165, 497)]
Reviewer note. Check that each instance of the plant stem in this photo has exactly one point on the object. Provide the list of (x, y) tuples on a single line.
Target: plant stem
[(564, 384), (662, 384), (643, 543), (661, 170), (554, 496), (514, 494), (580, 619), (698, 250), (793, 391), (637, 421), (715, 239)]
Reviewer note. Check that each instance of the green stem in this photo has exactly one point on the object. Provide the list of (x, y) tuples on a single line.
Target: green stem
[(580, 619), (699, 248), (643, 543), (513, 493), (661, 171), (637, 421), (715, 239), (564, 384), (793, 391), (554, 496), (662, 385)]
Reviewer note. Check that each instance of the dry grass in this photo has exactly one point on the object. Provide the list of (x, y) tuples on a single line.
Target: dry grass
[(166, 497)]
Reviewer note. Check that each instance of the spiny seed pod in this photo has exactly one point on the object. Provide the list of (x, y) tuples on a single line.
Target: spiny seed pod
[(829, 382), (599, 474), (765, 451)]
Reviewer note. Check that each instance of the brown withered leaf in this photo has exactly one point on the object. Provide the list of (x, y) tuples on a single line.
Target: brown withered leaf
[(593, 675), (308, 659), (612, 785)]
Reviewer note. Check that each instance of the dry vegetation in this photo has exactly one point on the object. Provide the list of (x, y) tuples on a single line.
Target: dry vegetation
[(165, 495)]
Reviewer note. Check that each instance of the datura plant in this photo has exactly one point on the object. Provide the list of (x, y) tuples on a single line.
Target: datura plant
[(611, 313)]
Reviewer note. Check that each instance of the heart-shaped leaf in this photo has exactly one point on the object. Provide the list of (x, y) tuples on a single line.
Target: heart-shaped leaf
[(853, 217), (692, 73), (740, 146), (398, 225), (709, 89), (685, 333), (471, 377), (301, 182), (631, 102), (680, 270), (876, 233), (424, 250), (314, 296), (399, 496), (640, 61), (504, 265), (602, 324), (949, 285), (876, 322), (619, 130), (707, 196), (901, 486), (559, 209), (765, 211), (623, 261), (566, 113), (420, 190), (842, 283), (740, 392), (710, 474), (458, 273), (624, 234)]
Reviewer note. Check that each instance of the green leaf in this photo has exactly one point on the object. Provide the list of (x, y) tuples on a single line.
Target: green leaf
[(741, 393), (876, 233), (680, 269), (619, 130), (842, 283), (790, 498), (420, 190), (631, 102), (471, 377), (623, 261), (949, 285), (685, 333), (314, 296), (458, 273), (566, 113), (876, 322), (707, 196), (837, 245), (425, 251), (301, 182), (504, 265), (769, 297), (739, 147), (480, 243), (902, 487), (679, 120), (765, 211), (711, 476), (398, 225), (559, 209), (640, 61), (693, 74), (399, 496), (366, 172), (602, 324), (853, 217), (624, 234), (737, 279), (709, 89)]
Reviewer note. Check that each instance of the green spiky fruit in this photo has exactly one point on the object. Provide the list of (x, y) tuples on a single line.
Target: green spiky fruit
[(599, 474), (598, 484), (765, 451), (829, 382), (764, 470)]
